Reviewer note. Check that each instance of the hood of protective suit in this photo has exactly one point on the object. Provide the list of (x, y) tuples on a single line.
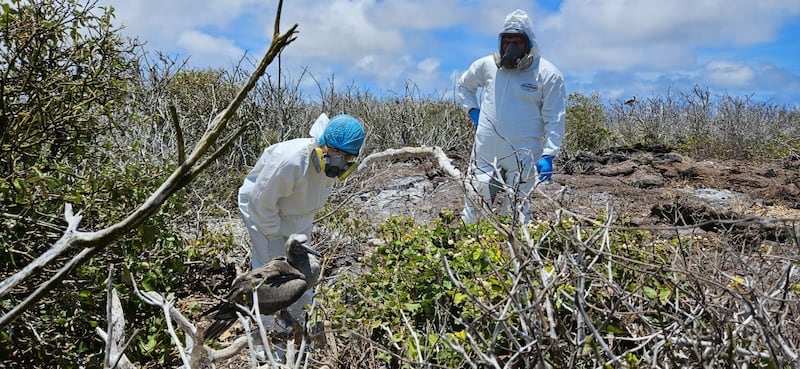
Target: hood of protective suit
[(518, 22)]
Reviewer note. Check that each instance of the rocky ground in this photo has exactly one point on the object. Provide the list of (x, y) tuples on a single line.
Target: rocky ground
[(647, 186)]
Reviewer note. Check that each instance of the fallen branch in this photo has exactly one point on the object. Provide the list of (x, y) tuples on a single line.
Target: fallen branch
[(434, 152), (155, 299), (115, 337)]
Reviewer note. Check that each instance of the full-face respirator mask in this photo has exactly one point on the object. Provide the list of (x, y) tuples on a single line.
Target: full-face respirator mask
[(512, 56), (332, 166)]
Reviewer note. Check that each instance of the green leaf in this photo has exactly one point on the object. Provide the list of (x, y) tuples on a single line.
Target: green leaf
[(664, 293), (150, 344), (149, 281), (650, 293), (614, 329), (19, 184)]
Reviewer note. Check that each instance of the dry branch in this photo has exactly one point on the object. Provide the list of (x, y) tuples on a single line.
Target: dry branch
[(434, 152), (115, 338)]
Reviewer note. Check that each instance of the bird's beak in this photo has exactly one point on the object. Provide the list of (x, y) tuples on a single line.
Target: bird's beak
[(311, 251)]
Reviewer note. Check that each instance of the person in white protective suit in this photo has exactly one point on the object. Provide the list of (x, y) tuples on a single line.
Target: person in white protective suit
[(519, 118), (291, 182)]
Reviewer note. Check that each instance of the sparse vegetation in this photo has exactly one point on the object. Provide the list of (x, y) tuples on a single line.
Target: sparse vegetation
[(567, 293), (561, 295), (706, 126)]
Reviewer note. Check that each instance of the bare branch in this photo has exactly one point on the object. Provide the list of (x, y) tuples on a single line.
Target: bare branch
[(415, 152), (116, 324), (62, 245), (176, 123), (123, 362)]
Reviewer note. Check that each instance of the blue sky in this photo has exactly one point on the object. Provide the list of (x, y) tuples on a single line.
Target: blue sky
[(617, 48)]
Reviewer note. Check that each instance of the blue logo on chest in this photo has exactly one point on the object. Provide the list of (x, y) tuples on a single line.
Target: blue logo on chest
[(529, 86)]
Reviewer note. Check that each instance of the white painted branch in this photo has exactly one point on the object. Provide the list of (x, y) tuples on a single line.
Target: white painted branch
[(434, 152), (123, 362), (115, 344), (63, 244)]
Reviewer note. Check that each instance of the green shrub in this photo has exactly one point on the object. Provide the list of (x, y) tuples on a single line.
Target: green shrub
[(585, 129), (408, 306)]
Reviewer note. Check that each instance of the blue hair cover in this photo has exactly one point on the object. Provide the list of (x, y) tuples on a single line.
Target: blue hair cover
[(344, 133)]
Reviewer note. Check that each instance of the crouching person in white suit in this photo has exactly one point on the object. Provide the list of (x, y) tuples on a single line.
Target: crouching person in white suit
[(290, 183)]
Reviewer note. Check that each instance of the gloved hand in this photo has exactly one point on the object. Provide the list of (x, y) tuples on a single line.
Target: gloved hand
[(545, 167), (474, 114)]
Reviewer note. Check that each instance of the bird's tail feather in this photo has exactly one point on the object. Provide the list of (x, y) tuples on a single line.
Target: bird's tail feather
[(213, 309), (223, 319), (217, 327)]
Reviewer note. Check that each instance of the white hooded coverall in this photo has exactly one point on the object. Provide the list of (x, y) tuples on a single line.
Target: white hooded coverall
[(522, 117), (280, 196)]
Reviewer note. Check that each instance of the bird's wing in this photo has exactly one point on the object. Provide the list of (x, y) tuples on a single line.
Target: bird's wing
[(283, 285), (275, 297), (277, 282), (247, 282)]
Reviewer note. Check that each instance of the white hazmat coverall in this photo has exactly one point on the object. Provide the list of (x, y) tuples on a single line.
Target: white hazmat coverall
[(522, 117), (280, 196)]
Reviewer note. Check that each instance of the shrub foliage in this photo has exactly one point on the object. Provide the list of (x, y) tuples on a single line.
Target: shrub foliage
[(562, 295)]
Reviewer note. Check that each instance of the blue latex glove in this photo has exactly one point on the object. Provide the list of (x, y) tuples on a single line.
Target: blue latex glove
[(545, 167), (474, 114)]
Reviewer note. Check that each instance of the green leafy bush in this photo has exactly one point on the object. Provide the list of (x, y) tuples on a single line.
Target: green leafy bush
[(407, 304), (570, 294), (586, 127)]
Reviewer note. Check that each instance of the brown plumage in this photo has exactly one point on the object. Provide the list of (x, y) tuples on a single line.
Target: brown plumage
[(279, 284)]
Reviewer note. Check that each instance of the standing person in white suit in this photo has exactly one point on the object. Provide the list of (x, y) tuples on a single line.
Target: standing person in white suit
[(519, 118), (291, 182)]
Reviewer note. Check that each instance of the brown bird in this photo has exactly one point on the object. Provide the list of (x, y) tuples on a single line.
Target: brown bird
[(279, 284)]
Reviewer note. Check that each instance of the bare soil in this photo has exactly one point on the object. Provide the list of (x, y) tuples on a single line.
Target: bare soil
[(646, 186)]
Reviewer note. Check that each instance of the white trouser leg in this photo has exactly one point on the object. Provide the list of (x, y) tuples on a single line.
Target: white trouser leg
[(262, 251), (478, 198), (510, 188), (518, 194), (524, 200), (297, 311)]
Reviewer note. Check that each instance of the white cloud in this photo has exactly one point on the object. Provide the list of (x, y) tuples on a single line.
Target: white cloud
[(723, 74), (415, 14), (367, 64), (775, 78), (429, 65), (621, 45), (656, 34), (161, 22), (368, 40), (212, 51), (340, 30)]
